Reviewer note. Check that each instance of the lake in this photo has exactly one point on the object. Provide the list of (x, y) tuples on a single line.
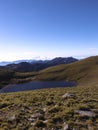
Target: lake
[(36, 85)]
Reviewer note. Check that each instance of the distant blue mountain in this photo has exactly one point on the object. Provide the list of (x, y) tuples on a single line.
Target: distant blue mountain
[(4, 63), (36, 65)]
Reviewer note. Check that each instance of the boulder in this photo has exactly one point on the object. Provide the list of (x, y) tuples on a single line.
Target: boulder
[(12, 118), (65, 127), (85, 113), (66, 95)]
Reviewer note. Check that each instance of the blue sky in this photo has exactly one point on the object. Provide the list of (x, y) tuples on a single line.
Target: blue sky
[(48, 28)]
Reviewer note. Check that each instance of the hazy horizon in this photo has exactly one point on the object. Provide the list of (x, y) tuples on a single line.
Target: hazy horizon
[(48, 28), (46, 58)]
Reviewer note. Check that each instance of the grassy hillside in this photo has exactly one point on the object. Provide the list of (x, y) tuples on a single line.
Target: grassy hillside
[(83, 72), (50, 109)]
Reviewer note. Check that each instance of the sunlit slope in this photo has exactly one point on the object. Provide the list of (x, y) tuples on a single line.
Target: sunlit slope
[(83, 71)]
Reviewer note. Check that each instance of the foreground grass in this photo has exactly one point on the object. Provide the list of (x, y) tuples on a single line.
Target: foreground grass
[(73, 108)]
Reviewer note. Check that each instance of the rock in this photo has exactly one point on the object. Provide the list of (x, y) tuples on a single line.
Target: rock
[(33, 117), (43, 128), (44, 109), (68, 95), (12, 118), (19, 105), (90, 127), (32, 123), (45, 121), (55, 129), (65, 127), (85, 113)]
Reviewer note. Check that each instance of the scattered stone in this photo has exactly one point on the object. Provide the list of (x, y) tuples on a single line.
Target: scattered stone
[(85, 113), (55, 129), (34, 116), (56, 105), (68, 95), (31, 119), (32, 123), (12, 118), (44, 109), (90, 128), (65, 126), (19, 105), (45, 121), (43, 128)]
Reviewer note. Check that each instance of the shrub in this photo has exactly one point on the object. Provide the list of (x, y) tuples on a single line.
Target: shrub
[(49, 102), (84, 108), (39, 124), (56, 119), (54, 109)]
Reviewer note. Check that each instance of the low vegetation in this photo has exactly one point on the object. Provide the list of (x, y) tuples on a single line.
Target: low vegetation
[(74, 108)]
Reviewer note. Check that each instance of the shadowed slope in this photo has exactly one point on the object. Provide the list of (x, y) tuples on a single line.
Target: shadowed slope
[(5, 76)]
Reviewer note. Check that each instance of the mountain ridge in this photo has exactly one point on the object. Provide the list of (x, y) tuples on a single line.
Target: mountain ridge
[(39, 65)]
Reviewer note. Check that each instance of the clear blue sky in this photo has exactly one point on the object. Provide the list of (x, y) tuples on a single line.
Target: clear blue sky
[(48, 28)]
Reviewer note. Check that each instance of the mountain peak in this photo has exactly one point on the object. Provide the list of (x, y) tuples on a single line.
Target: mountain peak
[(34, 65)]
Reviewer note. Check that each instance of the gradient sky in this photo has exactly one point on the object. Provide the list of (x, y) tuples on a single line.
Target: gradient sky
[(48, 28)]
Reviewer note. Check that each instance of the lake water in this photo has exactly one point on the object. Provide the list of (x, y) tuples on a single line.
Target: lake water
[(36, 85)]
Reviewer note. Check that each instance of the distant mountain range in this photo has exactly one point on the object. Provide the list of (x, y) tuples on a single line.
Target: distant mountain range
[(36, 65), (4, 63)]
